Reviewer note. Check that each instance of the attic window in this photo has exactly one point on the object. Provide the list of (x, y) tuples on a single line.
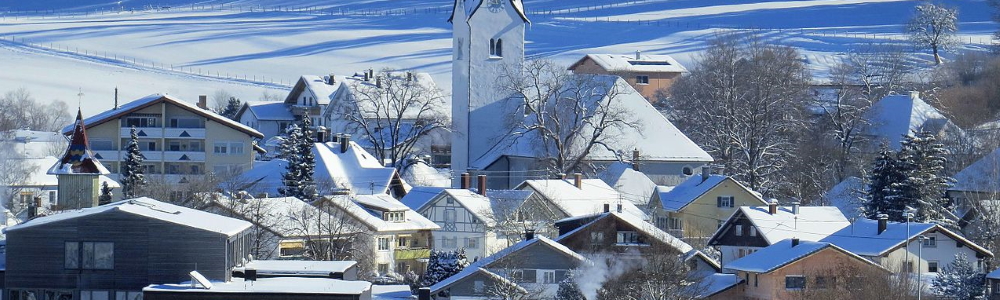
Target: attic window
[(496, 47)]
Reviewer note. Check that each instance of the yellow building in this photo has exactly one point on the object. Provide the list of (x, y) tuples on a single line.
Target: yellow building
[(179, 140), (698, 206)]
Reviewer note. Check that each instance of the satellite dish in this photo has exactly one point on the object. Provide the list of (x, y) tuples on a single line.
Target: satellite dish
[(200, 280)]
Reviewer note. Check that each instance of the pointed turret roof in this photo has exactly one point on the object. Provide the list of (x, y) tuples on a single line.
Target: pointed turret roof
[(78, 159)]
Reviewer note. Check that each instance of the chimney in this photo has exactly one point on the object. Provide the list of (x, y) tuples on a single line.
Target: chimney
[(914, 94), (378, 82), (331, 80), (116, 97), (482, 185), (409, 76), (607, 207), (366, 76), (203, 101), (561, 176), (529, 234), (250, 275), (772, 207), (706, 171), (345, 141), (635, 159), (637, 54), (466, 181), (578, 180), (33, 207), (883, 222), (619, 207), (371, 73), (424, 293), (795, 207), (795, 242)]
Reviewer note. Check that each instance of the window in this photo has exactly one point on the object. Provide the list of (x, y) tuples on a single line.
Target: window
[(101, 144), (596, 238), (221, 148), (185, 123), (137, 121), (393, 216), (478, 287), (930, 242), (724, 201), (932, 266), (401, 242), (52, 198), (383, 269), (642, 79), (449, 200), (496, 48), (549, 276), (740, 253), (383, 243), (89, 255), (824, 282), (235, 148), (629, 237), (401, 268), (738, 230), (753, 231), (473, 243), (676, 223), (94, 295), (755, 279), (793, 282)]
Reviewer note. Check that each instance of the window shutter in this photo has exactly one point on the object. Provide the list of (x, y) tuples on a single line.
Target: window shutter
[(732, 201), (718, 201)]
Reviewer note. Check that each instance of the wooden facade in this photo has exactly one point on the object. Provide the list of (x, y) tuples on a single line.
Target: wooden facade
[(607, 233), (78, 190), (145, 250)]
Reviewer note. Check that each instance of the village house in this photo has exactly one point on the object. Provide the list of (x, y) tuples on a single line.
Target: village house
[(790, 268), (648, 74), (282, 227), (976, 191), (400, 239), (280, 288), (696, 208), (752, 228), (270, 118), (927, 247), (114, 250), (895, 116), (557, 199), (532, 267), (614, 232), (181, 142), (480, 221)]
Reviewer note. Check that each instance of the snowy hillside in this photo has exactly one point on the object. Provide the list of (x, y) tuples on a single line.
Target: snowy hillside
[(247, 47)]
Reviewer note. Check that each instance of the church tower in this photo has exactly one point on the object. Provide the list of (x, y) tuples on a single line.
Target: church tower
[(78, 171), (488, 37)]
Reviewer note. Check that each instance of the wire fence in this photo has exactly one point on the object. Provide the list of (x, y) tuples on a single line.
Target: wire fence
[(146, 64)]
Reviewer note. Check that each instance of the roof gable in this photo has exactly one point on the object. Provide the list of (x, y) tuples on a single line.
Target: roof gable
[(520, 247), (677, 198), (783, 253), (643, 227), (154, 99), (894, 116), (572, 201), (472, 6), (862, 237), (639, 63)]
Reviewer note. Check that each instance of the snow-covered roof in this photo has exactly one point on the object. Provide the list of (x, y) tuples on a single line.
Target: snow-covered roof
[(812, 223), (898, 115), (355, 170), (419, 196), (716, 283), (271, 285), (472, 6), (656, 138), (485, 208), (847, 196), (317, 86), (676, 198), (635, 63), (487, 262), (782, 253), (862, 237), (981, 176), (270, 110), (40, 176), (994, 275), (297, 267), (633, 185), (380, 202), (285, 216), (421, 83), (421, 174), (588, 199), (150, 208), (153, 99), (373, 218), (640, 225)]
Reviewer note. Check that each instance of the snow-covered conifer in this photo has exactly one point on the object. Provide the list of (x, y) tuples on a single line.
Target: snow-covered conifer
[(960, 280), (296, 148), (106, 195), (132, 174)]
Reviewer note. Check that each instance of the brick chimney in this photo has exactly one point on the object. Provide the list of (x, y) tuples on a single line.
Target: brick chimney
[(795, 242), (466, 181), (203, 101), (578, 180), (883, 222), (424, 293), (772, 206), (529, 234), (482, 185), (345, 142), (706, 171)]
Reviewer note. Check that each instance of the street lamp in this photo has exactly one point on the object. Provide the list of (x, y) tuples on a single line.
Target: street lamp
[(920, 248), (908, 213)]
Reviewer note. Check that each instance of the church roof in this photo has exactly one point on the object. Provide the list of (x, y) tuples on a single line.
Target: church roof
[(472, 6), (78, 159)]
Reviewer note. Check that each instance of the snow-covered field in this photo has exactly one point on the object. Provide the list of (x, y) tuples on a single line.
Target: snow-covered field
[(248, 47)]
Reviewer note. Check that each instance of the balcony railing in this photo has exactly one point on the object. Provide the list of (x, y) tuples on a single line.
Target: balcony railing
[(173, 133), (155, 155), (419, 253)]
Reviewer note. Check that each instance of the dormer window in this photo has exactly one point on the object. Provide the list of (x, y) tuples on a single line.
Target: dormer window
[(496, 48), (393, 216)]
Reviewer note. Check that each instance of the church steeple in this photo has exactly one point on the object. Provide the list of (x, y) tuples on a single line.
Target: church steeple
[(78, 158)]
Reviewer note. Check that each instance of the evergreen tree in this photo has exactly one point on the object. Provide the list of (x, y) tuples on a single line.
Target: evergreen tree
[(960, 280), (568, 290), (132, 174), (923, 160), (105, 197), (232, 107), (444, 264), (296, 148), (882, 196), (434, 270)]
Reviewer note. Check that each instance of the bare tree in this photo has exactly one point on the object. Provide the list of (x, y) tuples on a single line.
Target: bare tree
[(14, 172), (20, 110), (331, 232), (220, 100), (848, 281), (742, 103), (395, 112), (657, 274), (267, 220), (566, 117), (934, 26)]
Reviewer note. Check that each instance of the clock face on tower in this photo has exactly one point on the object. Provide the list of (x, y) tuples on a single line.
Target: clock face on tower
[(494, 5)]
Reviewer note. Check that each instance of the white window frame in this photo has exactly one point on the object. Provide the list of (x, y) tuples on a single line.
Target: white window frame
[(549, 276), (383, 244), (642, 79), (738, 230), (220, 148)]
